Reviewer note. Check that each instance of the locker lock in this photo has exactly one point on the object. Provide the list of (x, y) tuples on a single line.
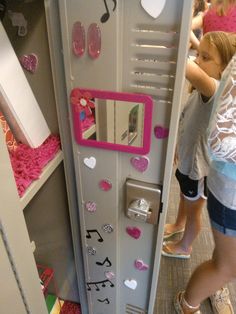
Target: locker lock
[(143, 201), (139, 210)]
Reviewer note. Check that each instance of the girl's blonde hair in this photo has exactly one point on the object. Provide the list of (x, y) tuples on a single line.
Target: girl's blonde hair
[(225, 44), (222, 6)]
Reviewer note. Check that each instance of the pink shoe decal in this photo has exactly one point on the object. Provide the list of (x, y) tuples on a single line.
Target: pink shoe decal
[(94, 41), (140, 265), (78, 39)]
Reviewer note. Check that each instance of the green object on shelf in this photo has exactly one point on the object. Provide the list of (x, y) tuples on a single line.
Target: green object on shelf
[(50, 301)]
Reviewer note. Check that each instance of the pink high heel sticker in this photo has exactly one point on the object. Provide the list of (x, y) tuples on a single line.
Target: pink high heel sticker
[(29, 62), (94, 41), (109, 275), (140, 163), (140, 265), (105, 185), (161, 132), (78, 39)]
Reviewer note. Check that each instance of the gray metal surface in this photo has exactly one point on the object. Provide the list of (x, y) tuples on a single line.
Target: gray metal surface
[(139, 54)]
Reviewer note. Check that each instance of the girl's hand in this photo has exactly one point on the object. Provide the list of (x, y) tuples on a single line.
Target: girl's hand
[(203, 83)]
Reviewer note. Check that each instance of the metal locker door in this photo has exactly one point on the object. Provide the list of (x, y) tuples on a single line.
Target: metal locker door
[(123, 196)]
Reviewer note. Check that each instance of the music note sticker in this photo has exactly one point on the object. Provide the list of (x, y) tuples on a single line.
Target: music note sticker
[(105, 17), (96, 284), (89, 232), (106, 260), (106, 301)]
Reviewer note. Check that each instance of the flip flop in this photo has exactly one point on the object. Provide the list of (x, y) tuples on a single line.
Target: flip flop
[(167, 252), (178, 306), (169, 235)]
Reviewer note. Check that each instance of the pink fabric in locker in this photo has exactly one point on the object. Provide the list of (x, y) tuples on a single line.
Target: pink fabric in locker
[(28, 163)]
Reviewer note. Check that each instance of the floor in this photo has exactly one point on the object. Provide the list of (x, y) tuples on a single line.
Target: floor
[(174, 273)]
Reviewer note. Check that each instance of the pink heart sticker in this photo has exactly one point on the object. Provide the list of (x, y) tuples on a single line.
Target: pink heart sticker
[(140, 163), (134, 232), (105, 185), (91, 206), (161, 132), (29, 62), (140, 265)]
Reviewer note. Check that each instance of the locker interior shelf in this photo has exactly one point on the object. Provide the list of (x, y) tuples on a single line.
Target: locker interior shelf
[(90, 131), (36, 185)]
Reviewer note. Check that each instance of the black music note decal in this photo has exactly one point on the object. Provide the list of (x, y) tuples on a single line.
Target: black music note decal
[(106, 260), (88, 236), (105, 17), (106, 301), (97, 283), (114, 5)]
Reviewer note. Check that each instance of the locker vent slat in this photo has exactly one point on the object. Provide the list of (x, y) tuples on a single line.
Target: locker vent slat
[(132, 309), (151, 61)]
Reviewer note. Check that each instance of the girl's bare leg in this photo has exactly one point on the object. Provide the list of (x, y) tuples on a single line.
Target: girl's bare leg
[(215, 273), (180, 219), (193, 211)]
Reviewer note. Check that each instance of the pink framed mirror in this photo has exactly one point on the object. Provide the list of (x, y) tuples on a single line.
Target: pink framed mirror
[(112, 120)]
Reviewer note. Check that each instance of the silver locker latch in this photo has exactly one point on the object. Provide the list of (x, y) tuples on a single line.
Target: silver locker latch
[(139, 210), (143, 201)]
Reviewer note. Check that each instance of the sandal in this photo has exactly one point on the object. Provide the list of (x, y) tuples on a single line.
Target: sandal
[(166, 251), (168, 235), (220, 302), (179, 299)]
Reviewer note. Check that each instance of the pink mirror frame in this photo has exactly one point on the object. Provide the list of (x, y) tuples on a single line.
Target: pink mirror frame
[(129, 97)]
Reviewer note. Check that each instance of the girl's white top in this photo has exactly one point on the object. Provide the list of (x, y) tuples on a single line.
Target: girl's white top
[(222, 139)]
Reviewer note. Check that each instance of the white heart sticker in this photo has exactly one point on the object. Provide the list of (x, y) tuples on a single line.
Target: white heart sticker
[(131, 284), (153, 7), (90, 162)]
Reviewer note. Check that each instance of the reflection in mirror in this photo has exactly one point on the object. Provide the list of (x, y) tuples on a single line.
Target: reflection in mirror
[(112, 120)]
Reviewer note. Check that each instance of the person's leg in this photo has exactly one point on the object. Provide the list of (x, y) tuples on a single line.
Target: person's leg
[(215, 273), (179, 224), (193, 210)]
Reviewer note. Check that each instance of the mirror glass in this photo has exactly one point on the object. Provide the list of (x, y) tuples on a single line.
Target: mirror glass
[(112, 120)]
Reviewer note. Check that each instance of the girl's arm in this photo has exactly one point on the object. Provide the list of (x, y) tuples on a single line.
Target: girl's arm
[(197, 21), (203, 83), (194, 40)]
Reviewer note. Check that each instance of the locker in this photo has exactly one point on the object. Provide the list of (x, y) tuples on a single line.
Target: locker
[(125, 62), (112, 49)]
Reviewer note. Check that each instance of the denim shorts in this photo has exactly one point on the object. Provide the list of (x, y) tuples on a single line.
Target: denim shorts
[(222, 218), (191, 189)]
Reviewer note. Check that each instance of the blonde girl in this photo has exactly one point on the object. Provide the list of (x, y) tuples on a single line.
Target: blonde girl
[(216, 49)]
